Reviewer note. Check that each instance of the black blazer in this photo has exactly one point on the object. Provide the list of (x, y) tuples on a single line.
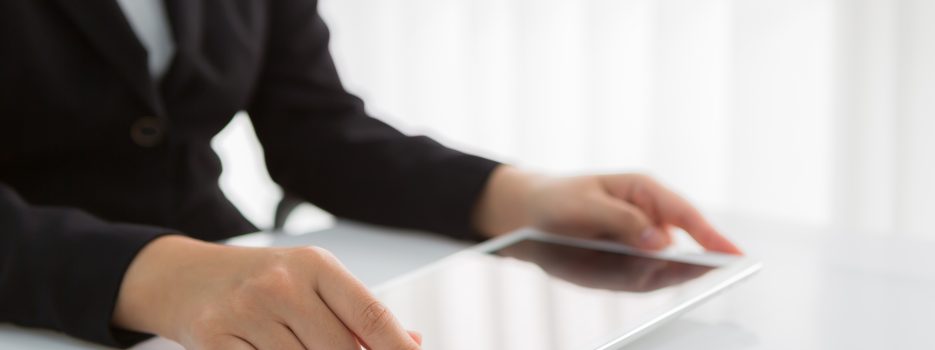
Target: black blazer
[(96, 159)]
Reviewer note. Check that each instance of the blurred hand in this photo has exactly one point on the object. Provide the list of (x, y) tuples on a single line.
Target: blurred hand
[(630, 208), (208, 296)]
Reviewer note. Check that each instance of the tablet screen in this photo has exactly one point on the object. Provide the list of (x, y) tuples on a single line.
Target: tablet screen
[(535, 294)]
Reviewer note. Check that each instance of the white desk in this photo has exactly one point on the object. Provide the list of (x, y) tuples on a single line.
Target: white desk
[(817, 291)]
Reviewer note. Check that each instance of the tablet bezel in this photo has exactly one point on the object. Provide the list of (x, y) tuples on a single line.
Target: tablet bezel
[(730, 269)]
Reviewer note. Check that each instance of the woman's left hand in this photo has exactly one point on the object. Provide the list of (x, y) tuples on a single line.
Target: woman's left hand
[(630, 208)]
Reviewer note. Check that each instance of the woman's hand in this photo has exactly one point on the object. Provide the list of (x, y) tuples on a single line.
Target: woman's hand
[(209, 296), (629, 208)]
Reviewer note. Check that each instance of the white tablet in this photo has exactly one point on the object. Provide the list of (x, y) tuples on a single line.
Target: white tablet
[(532, 290)]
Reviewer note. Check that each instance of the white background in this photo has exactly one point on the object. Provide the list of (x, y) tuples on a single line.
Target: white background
[(819, 112)]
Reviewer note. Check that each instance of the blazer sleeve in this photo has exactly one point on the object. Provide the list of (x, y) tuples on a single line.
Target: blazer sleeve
[(61, 268), (321, 145)]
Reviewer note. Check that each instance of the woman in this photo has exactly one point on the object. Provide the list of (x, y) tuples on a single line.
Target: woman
[(108, 184)]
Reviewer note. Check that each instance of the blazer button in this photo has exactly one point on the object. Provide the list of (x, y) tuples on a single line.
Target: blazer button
[(147, 131)]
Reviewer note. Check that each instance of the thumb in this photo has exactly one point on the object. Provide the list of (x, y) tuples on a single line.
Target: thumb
[(628, 224)]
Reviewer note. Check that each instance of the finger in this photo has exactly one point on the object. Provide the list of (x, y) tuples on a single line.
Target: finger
[(642, 197), (703, 233), (361, 312), (271, 335), (667, 207), (416, 336), (318, 328), (677, 211), (227, 342), (628, 224)]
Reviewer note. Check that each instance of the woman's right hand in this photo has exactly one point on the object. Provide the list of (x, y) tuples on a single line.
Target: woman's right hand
[(209, 296)]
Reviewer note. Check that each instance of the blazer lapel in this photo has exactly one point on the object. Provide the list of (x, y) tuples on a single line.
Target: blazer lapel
[(187, 29), (107, 29), (185, 16)]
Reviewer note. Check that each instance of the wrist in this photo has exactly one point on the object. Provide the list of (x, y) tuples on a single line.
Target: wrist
[(505, 204), (155, 285)]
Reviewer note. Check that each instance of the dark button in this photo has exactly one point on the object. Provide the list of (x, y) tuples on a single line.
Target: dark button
[(147, 131)]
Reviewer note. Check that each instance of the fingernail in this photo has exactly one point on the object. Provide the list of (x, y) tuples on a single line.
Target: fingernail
[(651, 238), (416, 336)]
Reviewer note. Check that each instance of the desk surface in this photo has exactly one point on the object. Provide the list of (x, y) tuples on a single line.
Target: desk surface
[(818, 290)]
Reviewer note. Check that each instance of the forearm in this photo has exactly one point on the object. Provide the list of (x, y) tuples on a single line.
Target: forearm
[(61, 267), (505, 202)]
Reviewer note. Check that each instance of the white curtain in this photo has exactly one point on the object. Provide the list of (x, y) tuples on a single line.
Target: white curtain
[(816, 111)]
